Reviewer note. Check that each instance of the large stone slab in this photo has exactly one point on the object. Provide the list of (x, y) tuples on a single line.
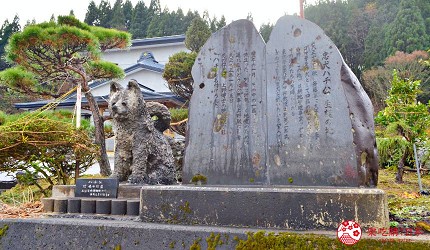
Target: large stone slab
[(317, 111), (227, 126), (299, 208), (289, 113)]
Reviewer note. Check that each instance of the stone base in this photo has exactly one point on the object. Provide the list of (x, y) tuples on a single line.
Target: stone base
[(300, 208), (76, 233)]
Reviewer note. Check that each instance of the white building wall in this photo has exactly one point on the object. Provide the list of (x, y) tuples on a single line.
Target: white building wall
[(128, 57), (150, 79)]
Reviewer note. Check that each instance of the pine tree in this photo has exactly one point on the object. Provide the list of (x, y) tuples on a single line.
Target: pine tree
[(155, 19), (6, 30), (424, 6), (105, 14), (66, 51), (197, 34), (213, 24), (188, 19), (179, 22), (139, 21), (408, 32), (265, 31), (128, 13), (221, 23), (118, 18), (92, 16), (155, 7)]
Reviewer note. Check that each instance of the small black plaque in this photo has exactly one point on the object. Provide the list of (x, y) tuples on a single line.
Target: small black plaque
[(97, 188)]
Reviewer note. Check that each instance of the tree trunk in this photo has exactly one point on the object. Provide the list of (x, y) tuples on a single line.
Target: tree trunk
[(400, 166), (99, 133)]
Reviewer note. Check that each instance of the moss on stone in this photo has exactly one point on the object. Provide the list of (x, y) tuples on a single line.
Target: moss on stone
[(196, 244), (199, 179), (172, 244), (186, 208), (263, 240), (213, 241), (3, 230)]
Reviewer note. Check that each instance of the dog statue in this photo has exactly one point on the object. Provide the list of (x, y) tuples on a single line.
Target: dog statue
[(142, 153)]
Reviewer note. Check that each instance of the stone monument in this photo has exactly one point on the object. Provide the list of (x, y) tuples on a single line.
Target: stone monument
[(289, 113), (279, 136)]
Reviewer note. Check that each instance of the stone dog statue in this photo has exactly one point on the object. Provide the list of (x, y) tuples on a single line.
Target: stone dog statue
[(142, 153)]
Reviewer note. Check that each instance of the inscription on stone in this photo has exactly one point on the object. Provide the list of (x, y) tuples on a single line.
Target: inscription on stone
[(97, 188), (287, 113), (307, 108), (228, 110)]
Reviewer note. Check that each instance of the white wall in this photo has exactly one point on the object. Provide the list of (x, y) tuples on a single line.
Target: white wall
[(150, 79), (128, 57)]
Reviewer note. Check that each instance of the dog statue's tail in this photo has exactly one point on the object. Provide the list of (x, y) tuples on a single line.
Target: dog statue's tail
[(162, 114)]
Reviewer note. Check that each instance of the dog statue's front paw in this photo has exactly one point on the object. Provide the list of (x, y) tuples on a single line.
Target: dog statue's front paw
[(137, 179)]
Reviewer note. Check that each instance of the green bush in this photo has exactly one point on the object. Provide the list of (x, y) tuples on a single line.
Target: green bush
[(47, 146), (178, 114)]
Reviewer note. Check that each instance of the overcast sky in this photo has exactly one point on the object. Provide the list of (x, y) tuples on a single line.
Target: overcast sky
[(263, 11)]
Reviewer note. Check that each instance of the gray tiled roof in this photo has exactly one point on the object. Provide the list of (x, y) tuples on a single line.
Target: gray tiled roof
[(71, 101), (146, 61)]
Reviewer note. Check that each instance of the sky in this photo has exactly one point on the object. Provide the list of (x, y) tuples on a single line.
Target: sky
[(263, 11)]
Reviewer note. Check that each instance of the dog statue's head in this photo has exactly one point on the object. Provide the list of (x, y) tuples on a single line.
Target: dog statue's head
[(126, 103)]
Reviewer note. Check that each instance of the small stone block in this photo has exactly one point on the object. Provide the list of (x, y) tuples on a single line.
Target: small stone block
[(88, 206), (74, 205), (119, 207), (103, 206), (48, 205), (133, 207), (60, 205)]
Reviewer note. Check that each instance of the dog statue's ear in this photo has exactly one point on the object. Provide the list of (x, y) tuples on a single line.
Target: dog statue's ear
[(114, 87), (133, 85)]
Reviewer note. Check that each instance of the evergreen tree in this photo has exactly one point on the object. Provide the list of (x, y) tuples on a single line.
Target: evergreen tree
[(105, 14), (6, 30), (179, 22), (157, 25), (139, 21), (197, 34), (265, 31), (221, 23), (424, 6), (118, 19), (92, 16), (332, 17), (155, 19), (177, 73), (213, 24), (408, 32), (128, 13), (188, 19), (404, 116), (155, 7), (67, 51)]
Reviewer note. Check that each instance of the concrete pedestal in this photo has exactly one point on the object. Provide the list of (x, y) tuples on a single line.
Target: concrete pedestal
[(299, 208)]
